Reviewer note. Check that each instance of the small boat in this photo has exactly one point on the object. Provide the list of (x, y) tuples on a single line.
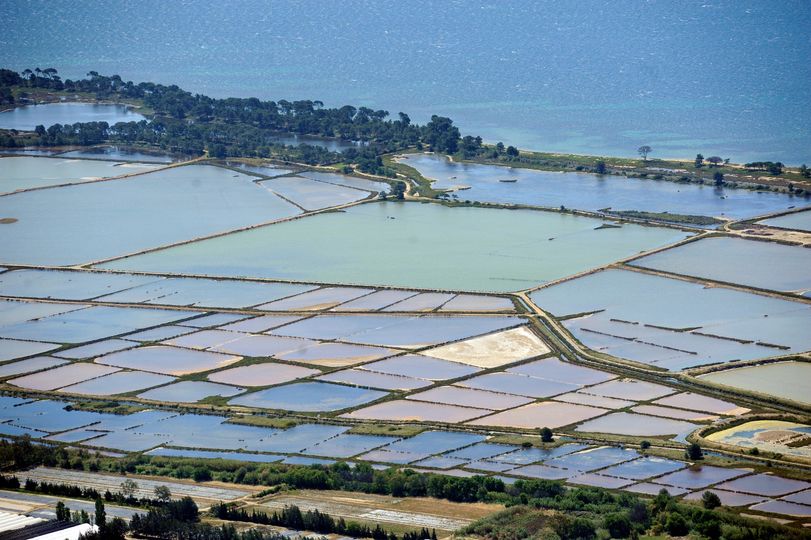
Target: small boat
[(508, 180)]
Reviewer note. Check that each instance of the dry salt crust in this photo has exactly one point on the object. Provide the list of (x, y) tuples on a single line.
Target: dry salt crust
[(493, 350), (262, 374)]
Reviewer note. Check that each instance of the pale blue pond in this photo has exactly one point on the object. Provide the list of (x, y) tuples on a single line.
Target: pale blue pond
[(526, 456), (122, 422), (13, 311), (18, 173), (68, 285), (190, 391), (122, 382), (205, 454), (630, 302), (645, 467), (89, 222), (396, 331), (699, 476), (205, 292), (11, 349), (18, 431), (48, 415), (312, 195), (347, 445), (95, 349), (435, 442), (799, 220), (264, 170), (586, 191), (590, 460), (90, 324), (294, 440), (308, 397), (28, 117), (482, 450), (408, 244), (121, 153), (294, 139), (344, 180), (27, 366), (765, 265)]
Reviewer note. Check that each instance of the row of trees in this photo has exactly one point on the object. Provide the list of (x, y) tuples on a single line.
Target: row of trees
[(313, 520)]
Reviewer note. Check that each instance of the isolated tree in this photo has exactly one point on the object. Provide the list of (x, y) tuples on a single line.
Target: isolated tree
[(500, 147), (710, 500), (512, 151), (599, 167), (694, 452), (644, 445), (163, 493), (644, 150), (129, 487), (699, 161), (715, 160), (546, 435)]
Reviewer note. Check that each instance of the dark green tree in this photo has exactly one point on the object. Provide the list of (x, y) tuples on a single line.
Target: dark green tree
[(710, 500), (694, 452)]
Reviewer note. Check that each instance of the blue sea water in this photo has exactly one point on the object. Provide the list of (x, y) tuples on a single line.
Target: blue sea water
[(721, 77)]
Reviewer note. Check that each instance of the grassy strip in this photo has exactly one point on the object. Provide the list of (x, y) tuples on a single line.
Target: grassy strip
[(399, 430), (282, 422)]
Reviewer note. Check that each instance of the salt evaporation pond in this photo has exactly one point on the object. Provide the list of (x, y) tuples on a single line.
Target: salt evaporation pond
[(308, 397), (120, 153), (800, 221), (765, 265), (89, 324), (28, 117), (18, 173), (586, 191), (348, 181), (88, 222), (412, 245), (190, 391), (650, 318), (787, 380), (205, 292), (312, 195)]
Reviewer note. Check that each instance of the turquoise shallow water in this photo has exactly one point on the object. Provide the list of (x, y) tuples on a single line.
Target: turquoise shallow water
[(413, 245), (683, 76)]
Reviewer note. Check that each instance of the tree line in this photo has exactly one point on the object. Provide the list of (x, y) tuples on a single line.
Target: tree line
[(233, 127)]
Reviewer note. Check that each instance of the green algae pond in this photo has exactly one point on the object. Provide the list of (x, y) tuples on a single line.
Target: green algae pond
[(413, 245)]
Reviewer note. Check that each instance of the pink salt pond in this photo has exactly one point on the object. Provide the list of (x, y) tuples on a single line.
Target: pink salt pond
[(416, 411), (536, 415), (168, 360), (265, 374)]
